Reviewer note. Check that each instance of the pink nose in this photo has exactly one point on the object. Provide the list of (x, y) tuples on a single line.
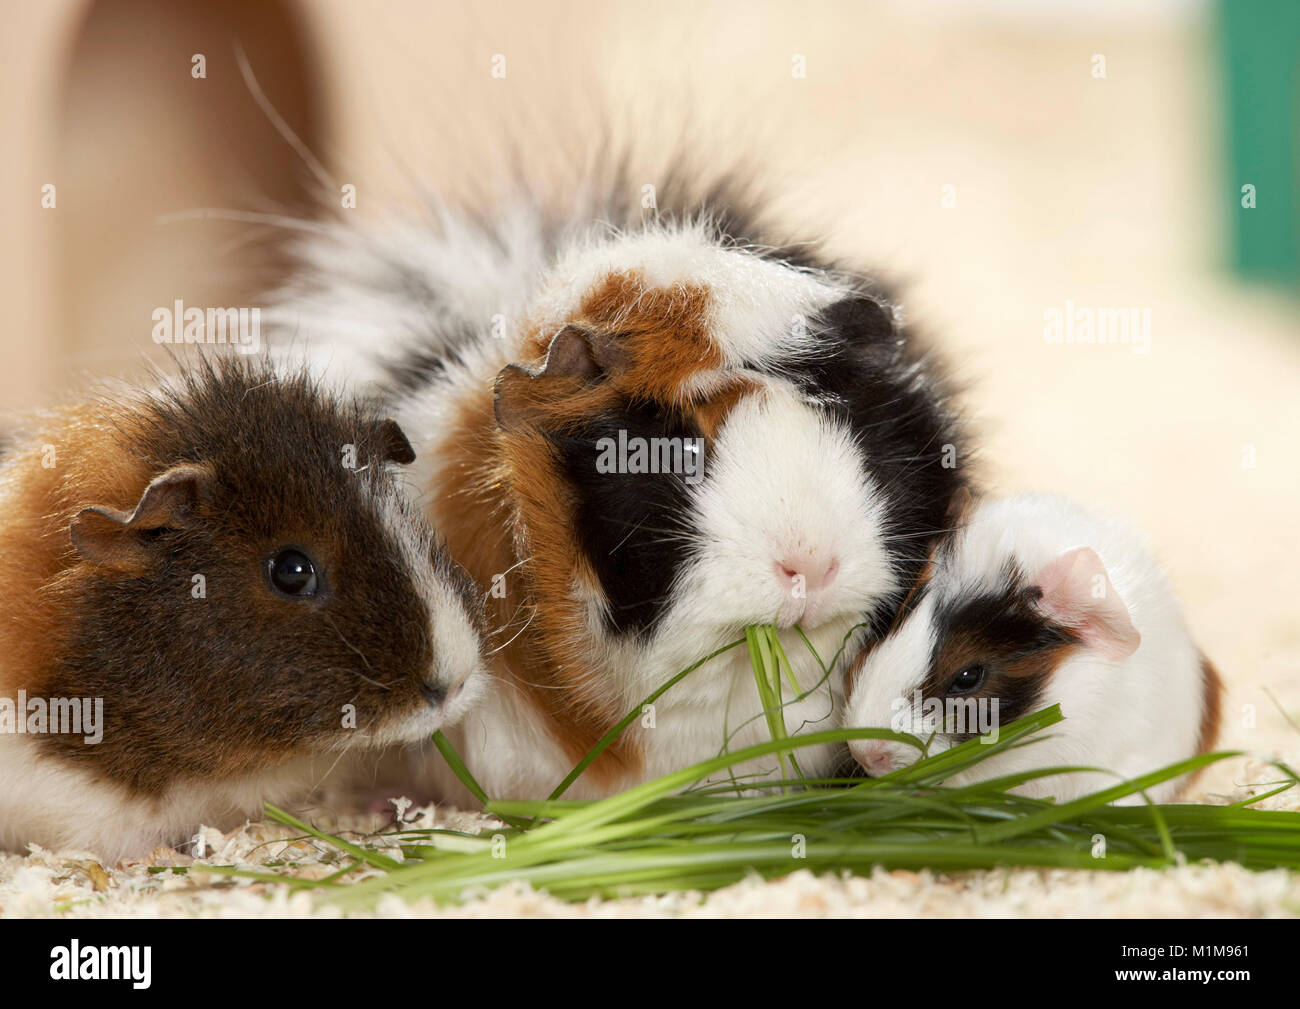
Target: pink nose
[(812, 573), (873, 755)]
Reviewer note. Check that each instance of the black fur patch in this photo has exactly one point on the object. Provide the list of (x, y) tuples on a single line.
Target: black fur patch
[(633, 527), (871, 376), (418, 366), (734, 210), (1018, 647)]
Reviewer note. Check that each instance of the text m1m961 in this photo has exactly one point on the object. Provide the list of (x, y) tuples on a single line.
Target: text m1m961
[(1156, 952)]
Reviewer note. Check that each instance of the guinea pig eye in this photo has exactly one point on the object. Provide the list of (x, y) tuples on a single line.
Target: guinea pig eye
[(293, 573), (969, 679)]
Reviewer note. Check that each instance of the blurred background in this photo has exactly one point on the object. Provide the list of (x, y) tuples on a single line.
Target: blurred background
[(1008, 161)]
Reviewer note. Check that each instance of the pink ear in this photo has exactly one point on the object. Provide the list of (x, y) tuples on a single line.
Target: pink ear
[(1078, 593)]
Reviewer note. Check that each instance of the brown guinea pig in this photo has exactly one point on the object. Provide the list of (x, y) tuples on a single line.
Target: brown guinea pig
[(210, 591)]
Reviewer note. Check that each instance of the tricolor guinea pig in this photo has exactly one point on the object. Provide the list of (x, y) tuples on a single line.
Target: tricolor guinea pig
[(211, 591), (641, 433), (1035, 601)]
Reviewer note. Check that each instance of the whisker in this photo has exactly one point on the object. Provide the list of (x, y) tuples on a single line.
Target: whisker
[(384, 686), (361, 675), (277, 120), (521, 630), (243, 216)]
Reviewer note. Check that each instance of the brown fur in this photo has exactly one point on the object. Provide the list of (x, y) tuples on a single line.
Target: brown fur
[(1211, 719), (497, 481), (711, 413), (664, 333), (552, 401), (1212, 713), (38, 503), (854, 671), (238, 679), (660, 335), (1009, 637), (914, 594), (645, 343), (961, 650)]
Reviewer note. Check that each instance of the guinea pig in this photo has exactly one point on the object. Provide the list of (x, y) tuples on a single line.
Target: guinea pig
[(641, 439), (1036, 601), (212, 590)]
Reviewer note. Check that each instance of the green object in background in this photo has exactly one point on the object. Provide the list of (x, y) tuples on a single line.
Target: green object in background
[(1260, 42)]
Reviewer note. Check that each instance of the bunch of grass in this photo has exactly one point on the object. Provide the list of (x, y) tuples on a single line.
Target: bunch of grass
[(687, 831)]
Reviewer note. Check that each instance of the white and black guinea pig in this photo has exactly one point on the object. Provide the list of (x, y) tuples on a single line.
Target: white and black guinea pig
[(643, 432), (1032, 601), (210, 591)]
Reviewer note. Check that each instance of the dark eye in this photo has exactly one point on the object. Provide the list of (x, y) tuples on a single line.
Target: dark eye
[(293, 573), (969, 679)]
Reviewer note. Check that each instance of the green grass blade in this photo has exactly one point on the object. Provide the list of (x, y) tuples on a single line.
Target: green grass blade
[(367, 855), (458, 767), (609, 737)]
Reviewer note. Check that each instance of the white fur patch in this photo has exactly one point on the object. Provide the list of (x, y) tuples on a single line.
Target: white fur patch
[(365, 292), (457, 649), (785, 483), (47, 802), (760, 312)]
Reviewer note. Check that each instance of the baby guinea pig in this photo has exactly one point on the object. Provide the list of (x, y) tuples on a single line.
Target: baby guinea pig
[(1035, 601), (211, 591)]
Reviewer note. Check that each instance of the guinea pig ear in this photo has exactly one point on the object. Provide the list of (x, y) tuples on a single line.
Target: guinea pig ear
[(121, 540), (391, 442), (1077, 593), (519, 394), (514, 399), (861, 319), (570, 355)]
